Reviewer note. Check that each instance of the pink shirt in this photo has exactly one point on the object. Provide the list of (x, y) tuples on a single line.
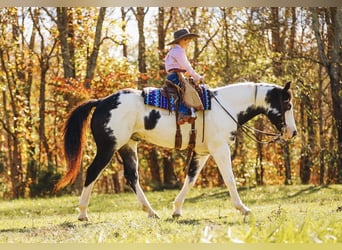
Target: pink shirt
[(177, 59)]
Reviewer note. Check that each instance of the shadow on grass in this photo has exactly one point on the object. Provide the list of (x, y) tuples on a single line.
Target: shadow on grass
[(303, 192), (210, 195), (222, 194), (307, 190), (222, 220), (17, 230), (64, 225), (192, 222)]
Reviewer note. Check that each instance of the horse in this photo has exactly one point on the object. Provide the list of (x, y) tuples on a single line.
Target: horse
[(121, 119)]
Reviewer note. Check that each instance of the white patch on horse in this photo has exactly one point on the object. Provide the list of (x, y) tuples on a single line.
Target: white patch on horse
[(274, 111)]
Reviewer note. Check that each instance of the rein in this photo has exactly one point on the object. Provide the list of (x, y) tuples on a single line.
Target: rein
[(247, 130)]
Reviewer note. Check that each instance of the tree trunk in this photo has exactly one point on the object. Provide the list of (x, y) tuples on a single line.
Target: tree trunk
[(259, 168), (286, 153), (277, 43), (335, 74), (161, 41), (123, 28), (278, 71), (140, 16), (154, 168), (91, 62), (116, 182), (32, 166), (332, 63), (67, 38), (306, 155), (225, 29), (44, 61), (42, 134), (194, 30), (291, 47), (321, 130), (170, 178)]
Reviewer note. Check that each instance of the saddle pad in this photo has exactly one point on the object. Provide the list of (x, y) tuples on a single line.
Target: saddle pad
[(153, 97)]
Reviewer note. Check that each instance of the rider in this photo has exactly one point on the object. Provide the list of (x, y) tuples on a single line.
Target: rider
[(177, 63)]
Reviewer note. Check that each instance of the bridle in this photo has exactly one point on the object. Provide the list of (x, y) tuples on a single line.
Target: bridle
[(251, 131)]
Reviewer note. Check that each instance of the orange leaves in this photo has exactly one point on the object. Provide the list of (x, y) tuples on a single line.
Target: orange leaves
[(102, 85), (144, 76), (72, 86)]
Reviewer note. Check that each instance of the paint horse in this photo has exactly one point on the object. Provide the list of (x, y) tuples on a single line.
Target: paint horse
[(120, 120)]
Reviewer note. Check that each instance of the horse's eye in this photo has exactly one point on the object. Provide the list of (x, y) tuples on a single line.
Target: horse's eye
[(287, 105)]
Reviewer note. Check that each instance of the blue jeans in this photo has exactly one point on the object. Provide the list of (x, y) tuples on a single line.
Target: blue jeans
[(173, 77)]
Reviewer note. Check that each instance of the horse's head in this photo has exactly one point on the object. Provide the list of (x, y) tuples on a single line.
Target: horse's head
[(280, 110)]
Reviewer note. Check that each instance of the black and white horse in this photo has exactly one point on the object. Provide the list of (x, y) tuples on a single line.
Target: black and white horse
[(119, 119)]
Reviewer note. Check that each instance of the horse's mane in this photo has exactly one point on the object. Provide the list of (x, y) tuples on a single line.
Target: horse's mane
[(259, 84)]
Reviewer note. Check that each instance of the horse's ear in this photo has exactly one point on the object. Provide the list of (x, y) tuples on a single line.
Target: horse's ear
[(287, 86)]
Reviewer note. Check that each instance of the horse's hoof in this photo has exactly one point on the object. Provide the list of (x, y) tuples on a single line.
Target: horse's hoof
[(176, 216), (83, 218), (245, 210), (153, 216)]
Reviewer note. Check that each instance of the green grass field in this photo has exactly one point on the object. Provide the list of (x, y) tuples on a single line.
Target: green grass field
[(293, 214)]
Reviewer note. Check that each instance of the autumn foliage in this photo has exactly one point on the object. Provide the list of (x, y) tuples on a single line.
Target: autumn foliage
[(51, 59)]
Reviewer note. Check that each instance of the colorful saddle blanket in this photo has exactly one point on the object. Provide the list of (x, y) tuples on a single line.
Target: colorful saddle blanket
[(152, 96)]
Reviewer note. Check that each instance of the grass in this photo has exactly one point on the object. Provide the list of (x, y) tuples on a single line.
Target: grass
[(293, 214)]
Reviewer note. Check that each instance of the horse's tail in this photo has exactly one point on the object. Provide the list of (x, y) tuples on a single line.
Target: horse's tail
[(74, 130)]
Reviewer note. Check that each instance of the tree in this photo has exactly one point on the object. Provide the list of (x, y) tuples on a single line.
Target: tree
[(12, 58), (278, 48), (169, 180), (32, 165), (66, 37), (123, 27), (44, 58), (163, 27), (306, 162), (68, 43), (225, 35), (139, 14), (92, 59), (331, 57)]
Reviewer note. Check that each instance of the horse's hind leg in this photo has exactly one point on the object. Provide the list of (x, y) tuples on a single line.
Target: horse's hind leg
[(129, 157), (195, 168), (105, 151)]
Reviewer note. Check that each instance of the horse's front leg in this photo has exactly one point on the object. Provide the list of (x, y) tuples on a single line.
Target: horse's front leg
[(129, 157), (221, 156), (195, 168)]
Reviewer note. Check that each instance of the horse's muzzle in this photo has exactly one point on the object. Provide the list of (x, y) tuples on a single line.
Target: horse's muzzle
[(288, 133)]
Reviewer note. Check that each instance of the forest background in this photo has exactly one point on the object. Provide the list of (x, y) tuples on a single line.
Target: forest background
[(52, 58)]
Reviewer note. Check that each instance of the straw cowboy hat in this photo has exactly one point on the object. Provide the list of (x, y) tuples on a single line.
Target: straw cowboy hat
[(180, 34)]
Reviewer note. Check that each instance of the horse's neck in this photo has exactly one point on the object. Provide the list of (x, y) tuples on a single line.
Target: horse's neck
[(238, 96), (248, 98)]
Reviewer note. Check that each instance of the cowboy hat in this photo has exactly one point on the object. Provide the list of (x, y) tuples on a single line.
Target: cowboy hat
[(181, 34)]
